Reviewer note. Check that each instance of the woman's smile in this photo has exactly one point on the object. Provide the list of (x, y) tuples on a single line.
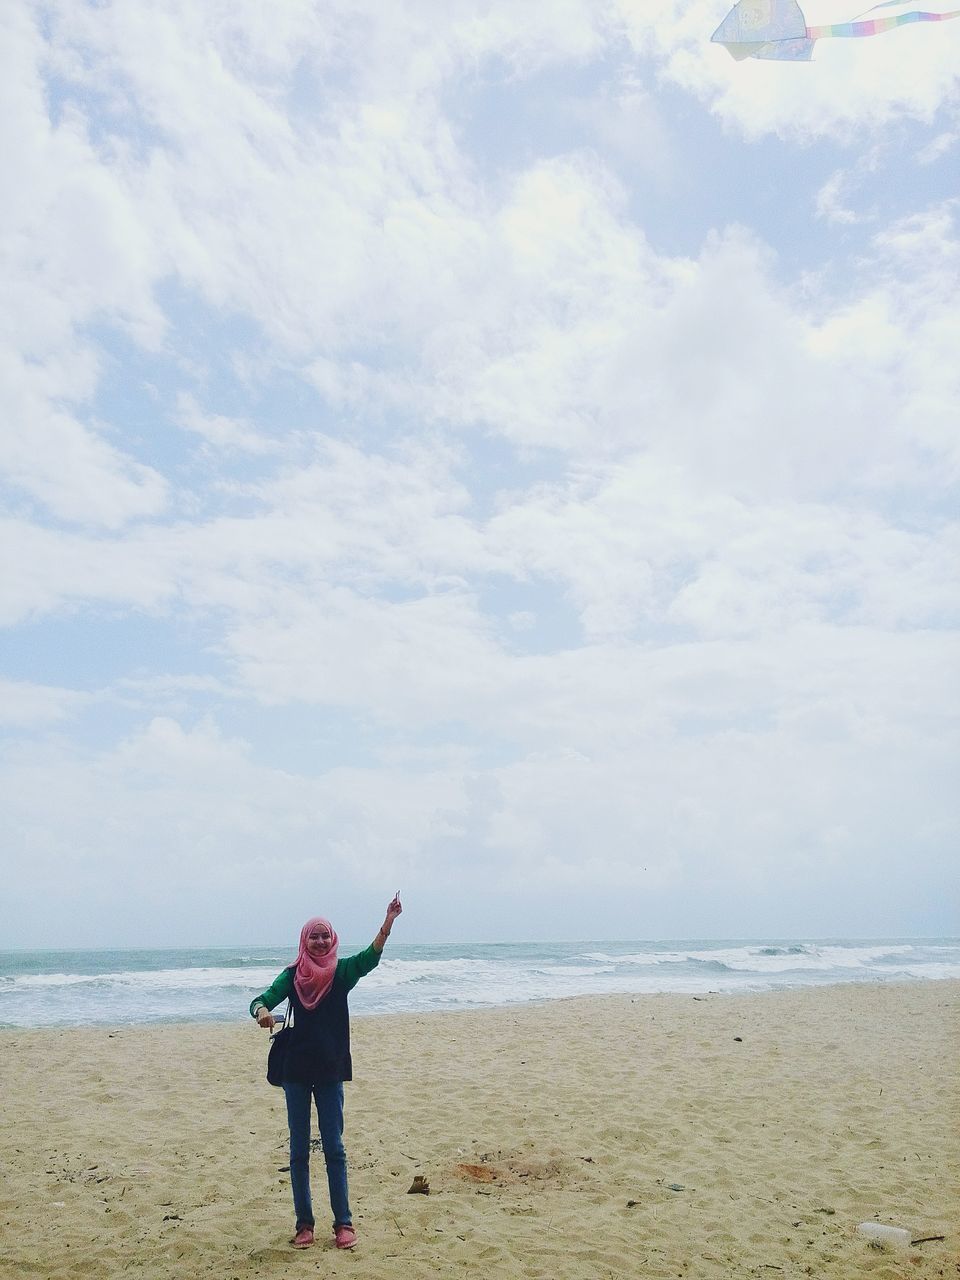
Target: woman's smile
[(318, 941)]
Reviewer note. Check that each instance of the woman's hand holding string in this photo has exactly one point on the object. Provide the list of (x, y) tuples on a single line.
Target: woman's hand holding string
[(393, 910)]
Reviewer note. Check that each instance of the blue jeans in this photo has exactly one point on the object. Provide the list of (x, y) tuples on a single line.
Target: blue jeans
[(329, 1100)]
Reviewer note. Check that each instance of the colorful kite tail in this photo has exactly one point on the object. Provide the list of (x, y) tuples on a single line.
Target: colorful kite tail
[(875, 26)]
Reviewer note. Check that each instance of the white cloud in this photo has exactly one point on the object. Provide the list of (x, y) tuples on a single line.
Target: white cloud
[(639, 548), (851, 84), (830, 200), (76, 254), (668, 771), (63, 463), (625, 119), (219, 430), (937, 147), (196, 811), (585, 563), (48, 571), (28, 705)]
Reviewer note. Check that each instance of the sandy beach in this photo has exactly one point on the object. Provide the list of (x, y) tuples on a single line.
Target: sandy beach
[(661, 1136)]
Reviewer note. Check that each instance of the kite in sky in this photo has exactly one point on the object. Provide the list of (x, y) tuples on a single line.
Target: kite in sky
[(778, 29)]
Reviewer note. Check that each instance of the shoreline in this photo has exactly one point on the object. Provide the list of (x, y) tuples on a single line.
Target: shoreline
[(362, 1015), (553, 1134)]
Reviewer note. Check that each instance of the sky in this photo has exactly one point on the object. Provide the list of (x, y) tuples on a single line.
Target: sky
[(505, 452)]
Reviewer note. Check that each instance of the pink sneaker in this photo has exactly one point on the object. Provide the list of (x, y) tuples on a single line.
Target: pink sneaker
[(303, 1239), (345, 1237)]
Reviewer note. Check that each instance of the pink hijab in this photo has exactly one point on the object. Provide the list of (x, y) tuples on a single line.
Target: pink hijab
[(313, 977)]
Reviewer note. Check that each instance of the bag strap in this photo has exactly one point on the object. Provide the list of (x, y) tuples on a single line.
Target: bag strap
[(287, 1019)]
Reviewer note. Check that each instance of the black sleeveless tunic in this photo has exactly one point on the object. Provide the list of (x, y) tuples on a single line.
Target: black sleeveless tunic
[(320, 1044)]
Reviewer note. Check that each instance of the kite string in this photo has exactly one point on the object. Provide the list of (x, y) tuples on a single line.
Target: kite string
[(884, 4)]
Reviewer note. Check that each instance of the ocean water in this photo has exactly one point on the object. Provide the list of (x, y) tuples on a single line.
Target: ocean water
[(113, 988)]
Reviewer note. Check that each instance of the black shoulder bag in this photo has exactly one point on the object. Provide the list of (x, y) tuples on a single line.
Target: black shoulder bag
[(279, 1046)]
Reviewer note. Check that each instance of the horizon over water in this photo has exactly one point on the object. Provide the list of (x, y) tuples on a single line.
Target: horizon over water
[(121, 986)]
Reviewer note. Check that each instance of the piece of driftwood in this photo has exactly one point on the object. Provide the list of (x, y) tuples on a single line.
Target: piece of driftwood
[(927, 1239), (419, 1186)]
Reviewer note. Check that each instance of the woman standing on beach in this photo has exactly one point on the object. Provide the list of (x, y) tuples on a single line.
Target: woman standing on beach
[(318, 1061)]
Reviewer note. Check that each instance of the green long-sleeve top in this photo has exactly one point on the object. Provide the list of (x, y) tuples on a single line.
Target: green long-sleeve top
[(349, 972)]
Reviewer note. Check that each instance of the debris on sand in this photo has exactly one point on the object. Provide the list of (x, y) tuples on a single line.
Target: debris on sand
[(476, 1172)]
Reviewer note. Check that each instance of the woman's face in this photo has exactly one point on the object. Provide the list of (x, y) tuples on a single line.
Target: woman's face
[(319, 940)]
